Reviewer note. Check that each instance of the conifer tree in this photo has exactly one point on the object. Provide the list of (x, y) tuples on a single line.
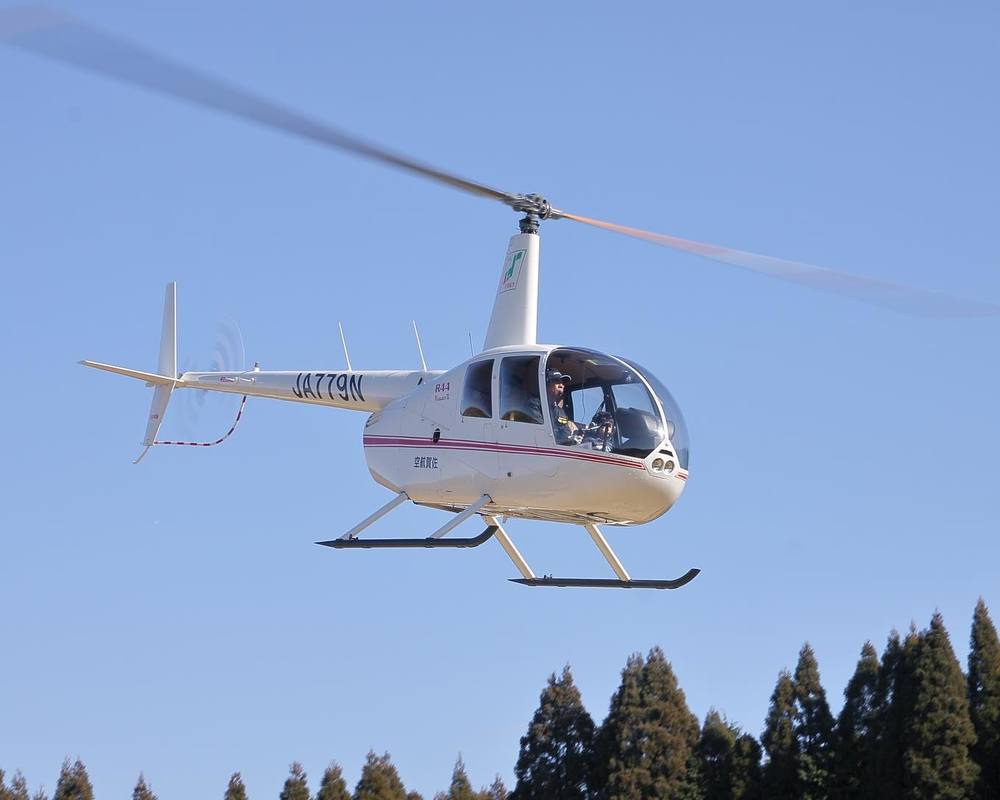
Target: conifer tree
[(39, 794), (715, 753), (461, 787), (893, 712), (333, 786), (73, 783), (379, 780), (296, 786), (728, 761), (556, 752), (648, 740), (936, 760), (780, 778), (984, 700), (813, 728), (235, 790), (18, 787), (142, 790), (744, 772), (497, 790), (414, 796), (855, 733), (614, 741)]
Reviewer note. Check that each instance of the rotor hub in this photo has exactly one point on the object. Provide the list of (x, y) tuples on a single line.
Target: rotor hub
[(535, 208), (532, 205)]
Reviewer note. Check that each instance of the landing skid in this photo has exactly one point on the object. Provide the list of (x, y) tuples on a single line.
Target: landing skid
[(350, 541), (610, 583), (430, 541)]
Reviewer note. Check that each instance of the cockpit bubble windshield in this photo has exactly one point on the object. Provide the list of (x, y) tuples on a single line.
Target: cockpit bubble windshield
[(677, 430), (597, 402)]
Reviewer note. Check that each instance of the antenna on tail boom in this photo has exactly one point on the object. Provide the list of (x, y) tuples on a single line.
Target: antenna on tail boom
[(343, 341), (420, 350)]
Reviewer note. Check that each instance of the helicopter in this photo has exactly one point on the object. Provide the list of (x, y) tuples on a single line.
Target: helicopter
[(521, 430)]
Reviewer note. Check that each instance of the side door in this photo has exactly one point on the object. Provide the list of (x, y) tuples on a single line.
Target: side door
[(473, 452), (523, 437)]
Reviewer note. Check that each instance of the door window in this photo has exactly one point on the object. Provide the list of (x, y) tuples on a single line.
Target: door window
[(520, 400), (477, 395)]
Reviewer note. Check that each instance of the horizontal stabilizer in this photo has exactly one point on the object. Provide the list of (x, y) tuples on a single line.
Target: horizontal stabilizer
[(149, 377)]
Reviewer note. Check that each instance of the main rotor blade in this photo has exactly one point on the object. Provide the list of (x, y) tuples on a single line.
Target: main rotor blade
[(904, 299), (61, 37)]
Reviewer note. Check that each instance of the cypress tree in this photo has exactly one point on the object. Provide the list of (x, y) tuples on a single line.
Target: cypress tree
[(296, 787), (984, 700), (414, 796), (497, 790), (893, 713), (648, 740), (73, 783), (615, 741), (780, 778), (379, 780), (461, 787), (556, 752), (141, 790), (18, 787), (855, 733), (235, 790), (715, 753), (813, 728), (39, 794), (728, 761), (745, 769), (333, 786), (936, 760)]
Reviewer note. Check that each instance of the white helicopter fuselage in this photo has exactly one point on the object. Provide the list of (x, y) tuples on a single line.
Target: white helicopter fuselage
[(422, 444)]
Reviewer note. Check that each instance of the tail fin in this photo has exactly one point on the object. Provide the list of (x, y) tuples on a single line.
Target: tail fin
[(167, 365), (164, 379)]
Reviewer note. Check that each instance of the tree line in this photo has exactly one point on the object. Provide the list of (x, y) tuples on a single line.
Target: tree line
[(913, 726)]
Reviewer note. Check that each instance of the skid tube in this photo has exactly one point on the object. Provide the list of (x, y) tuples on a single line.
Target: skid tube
[(430, 541), (350, 540), (610, 583)]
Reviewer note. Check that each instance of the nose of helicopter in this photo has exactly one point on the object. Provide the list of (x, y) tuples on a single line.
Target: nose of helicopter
[(662, 484)]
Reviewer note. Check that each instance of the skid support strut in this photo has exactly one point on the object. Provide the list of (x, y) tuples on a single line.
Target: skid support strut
[(624, 580), (350, 540)]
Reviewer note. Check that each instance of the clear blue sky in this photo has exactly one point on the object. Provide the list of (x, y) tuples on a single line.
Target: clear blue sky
[(175, 617)]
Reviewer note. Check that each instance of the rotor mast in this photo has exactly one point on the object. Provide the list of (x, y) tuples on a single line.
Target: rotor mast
[(514, 320)]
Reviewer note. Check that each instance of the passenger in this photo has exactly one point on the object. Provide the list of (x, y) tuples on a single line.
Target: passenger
[(565, 430), (600, 434)]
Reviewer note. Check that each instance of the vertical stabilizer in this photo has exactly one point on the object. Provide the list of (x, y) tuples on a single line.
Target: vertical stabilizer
[(166, 365), (515, 310)]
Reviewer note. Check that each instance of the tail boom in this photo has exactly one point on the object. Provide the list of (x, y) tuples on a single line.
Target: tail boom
[(359, 390)]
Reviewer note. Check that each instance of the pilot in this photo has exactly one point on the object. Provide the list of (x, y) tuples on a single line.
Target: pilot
[(562, 424)]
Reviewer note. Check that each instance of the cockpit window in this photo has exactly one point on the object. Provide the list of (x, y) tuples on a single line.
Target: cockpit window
[(477, 397), (677, 430), (519, 397), (598, 402)]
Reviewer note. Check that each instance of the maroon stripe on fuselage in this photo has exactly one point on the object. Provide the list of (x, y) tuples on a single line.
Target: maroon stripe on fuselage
[(497, 447)]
